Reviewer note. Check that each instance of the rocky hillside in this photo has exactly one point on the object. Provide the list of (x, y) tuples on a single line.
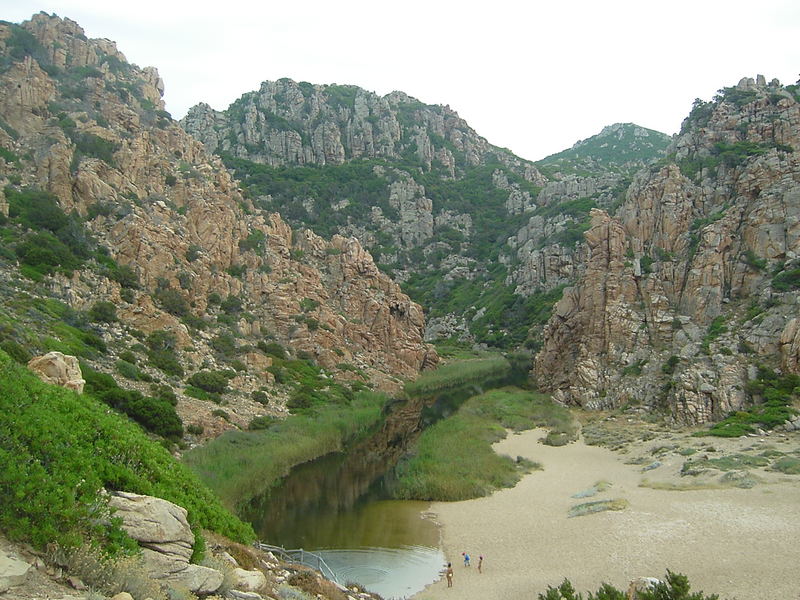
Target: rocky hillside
[(621, 148), (691, 283), (594, 173), (126, 243), (481, 238), (433, 201)]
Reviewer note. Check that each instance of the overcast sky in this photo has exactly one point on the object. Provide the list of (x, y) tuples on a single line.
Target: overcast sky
[(531, 76)]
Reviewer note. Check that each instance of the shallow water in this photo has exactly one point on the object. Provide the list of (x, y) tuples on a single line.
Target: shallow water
[(390, 572), (334, 507)]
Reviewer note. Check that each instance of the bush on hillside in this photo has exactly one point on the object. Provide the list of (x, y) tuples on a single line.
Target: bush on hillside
[(154, 414), (60, 449)]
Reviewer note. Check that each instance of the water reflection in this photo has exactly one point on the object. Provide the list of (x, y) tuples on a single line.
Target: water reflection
[(337, 506)]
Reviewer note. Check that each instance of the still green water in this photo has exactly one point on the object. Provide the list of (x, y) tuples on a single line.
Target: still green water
[(336, 506)]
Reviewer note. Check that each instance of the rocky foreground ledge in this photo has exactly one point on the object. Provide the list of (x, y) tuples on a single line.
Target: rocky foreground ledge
[(231, 571)]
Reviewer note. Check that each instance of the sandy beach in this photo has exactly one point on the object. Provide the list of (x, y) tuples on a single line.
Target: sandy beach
[(742, 544)]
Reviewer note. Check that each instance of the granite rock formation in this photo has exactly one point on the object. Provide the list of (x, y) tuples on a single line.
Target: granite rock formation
[(690, 283), (81, 123)]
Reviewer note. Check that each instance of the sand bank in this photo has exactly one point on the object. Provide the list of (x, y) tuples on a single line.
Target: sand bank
[(742, 544)]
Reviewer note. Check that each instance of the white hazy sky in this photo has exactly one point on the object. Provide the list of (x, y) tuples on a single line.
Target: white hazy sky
[(531, 76)]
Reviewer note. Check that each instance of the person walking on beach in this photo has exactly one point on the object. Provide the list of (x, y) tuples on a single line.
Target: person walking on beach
[(480, 563), (466, 558), (449, 574)]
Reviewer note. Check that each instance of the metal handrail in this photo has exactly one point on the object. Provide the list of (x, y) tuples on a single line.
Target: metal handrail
[(303, 557)]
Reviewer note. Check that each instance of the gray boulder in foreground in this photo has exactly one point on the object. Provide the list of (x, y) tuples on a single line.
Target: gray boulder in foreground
[(13, 571), (161, 529)]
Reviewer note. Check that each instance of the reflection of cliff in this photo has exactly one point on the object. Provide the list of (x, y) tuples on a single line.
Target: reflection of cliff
[(308, 499)]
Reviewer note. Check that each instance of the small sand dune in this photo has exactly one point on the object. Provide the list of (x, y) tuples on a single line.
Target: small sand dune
[(742, 544)]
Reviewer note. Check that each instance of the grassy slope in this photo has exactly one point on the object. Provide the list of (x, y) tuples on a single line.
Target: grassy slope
[(59, 449)]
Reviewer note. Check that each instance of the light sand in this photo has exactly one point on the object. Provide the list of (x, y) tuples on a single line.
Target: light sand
[(742, 544)]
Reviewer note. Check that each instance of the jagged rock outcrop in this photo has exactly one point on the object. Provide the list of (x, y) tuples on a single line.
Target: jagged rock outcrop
[(288, 122), (58, 369), (432, 193), (162, 531), (689, 267), (92, 130)]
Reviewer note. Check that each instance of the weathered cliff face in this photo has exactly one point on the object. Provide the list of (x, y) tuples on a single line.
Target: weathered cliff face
[(82, 123), (432, 200), (286, 122), (693, 267)]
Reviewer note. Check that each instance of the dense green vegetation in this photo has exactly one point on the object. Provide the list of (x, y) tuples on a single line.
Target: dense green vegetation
[(476, 372), (454, 460), (45, 239), (154, 414), (346, 194), (354, 183), (240, 465), (58, 450), (616, 149), (773, 396)]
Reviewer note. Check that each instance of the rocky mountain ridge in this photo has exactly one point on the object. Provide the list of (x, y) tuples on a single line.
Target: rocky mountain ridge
[(199, 261), (472, 232), (690, 283)]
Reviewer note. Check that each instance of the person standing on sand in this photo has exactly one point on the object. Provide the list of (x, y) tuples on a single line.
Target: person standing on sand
[(466, 558), (449, 574), (480, 563)]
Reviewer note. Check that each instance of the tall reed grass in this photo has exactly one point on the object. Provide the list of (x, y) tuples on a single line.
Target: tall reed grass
[(454, 460), (241, 465)]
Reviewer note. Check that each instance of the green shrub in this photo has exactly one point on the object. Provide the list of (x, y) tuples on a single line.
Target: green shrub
[(128, 356), (675, 587), (786, 280), (15, 351), (218, 412), (196, 392), (61, 449), (272, 349), (260, 397), (153, 414), (103, 311), (231, 305), (164, 392), (255, 241), (211, 381), (263, 422), (131, 371), (195, 429), (193, 252), (225, 344), (165, 361), (669, 367), (772, 396), (172, 301)]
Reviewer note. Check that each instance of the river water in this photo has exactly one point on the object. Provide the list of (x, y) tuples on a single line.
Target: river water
[(337, 507)]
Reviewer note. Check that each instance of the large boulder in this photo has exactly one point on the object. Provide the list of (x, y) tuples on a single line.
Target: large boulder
[(248, 581), (58, 369), (161, 529), (13, 571)]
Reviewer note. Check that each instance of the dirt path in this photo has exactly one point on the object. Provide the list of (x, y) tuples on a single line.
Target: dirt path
[(742, 544)]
